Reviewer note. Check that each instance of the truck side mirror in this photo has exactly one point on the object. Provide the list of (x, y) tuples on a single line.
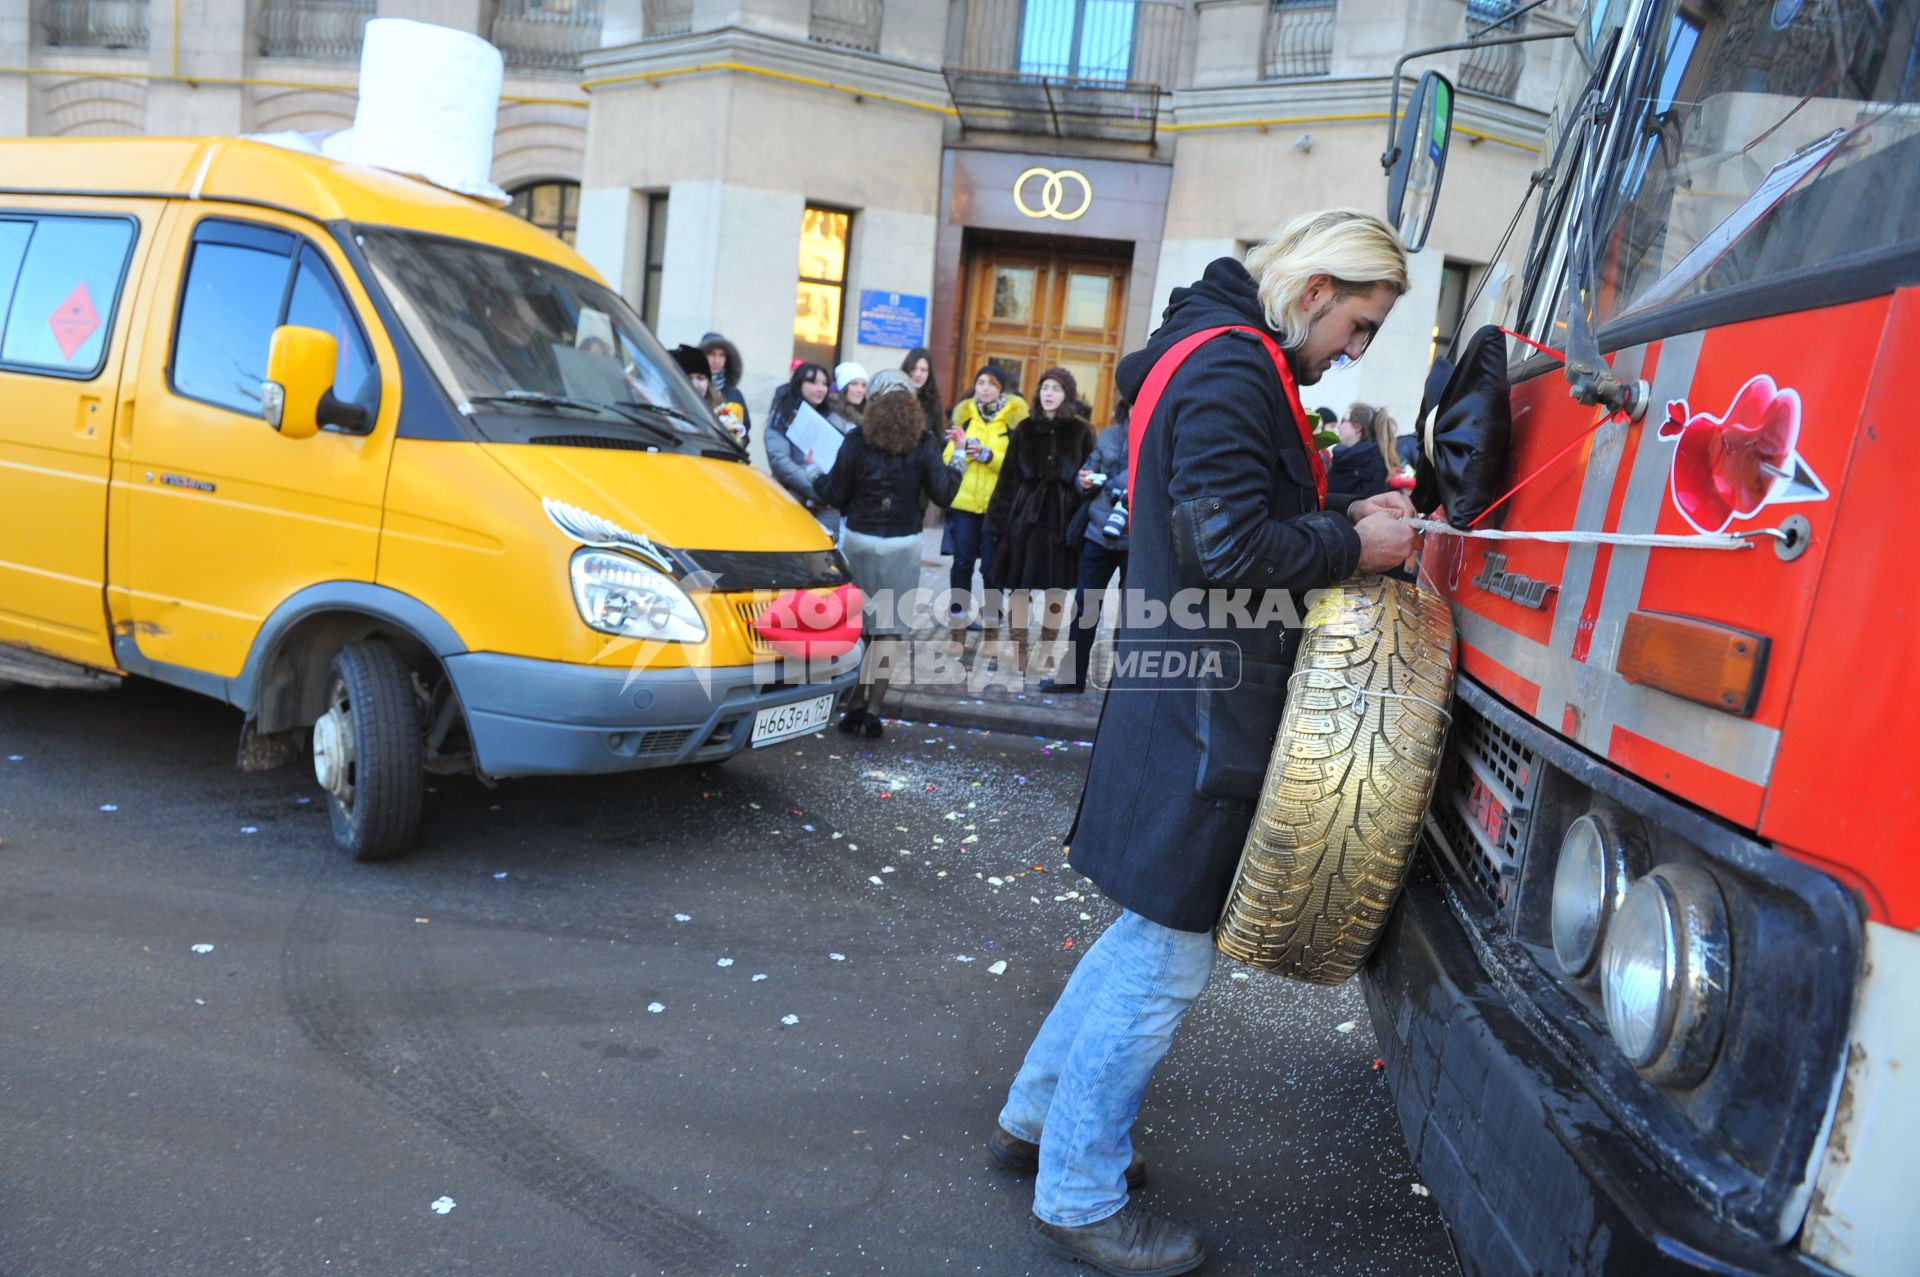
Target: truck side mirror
[(297, 396), (1420, 159)]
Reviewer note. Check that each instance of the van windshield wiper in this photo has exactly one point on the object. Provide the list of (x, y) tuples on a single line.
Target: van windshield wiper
[(663, 410), (540, 399)]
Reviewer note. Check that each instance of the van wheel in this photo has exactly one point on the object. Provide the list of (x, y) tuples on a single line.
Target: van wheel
[(1348, 784), (367, 752)]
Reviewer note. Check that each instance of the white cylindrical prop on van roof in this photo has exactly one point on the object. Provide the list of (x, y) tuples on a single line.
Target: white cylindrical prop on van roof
[(428, 100)]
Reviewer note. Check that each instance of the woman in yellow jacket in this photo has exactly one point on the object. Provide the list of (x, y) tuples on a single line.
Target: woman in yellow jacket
[(979, 430)]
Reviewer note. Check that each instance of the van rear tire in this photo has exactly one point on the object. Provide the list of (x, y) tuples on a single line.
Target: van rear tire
[(367, 751)]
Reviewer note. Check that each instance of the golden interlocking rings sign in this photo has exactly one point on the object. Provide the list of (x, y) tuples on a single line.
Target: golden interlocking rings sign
[(1052, 193)]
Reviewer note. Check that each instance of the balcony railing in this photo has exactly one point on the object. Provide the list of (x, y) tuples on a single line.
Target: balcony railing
[(96, 24), (1070, 68), (1493, 69), (668, 17), (1299, 38), (852, 24), (322, 30), (546, 35)]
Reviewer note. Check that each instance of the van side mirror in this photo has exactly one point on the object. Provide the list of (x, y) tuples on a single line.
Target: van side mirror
[(297, 396), (1420, 160)]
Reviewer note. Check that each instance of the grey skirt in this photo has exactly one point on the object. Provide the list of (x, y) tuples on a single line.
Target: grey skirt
[(885, 569)]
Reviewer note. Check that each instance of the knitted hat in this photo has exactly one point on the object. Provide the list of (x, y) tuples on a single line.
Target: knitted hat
[(848, 373), (889, 381), (1065, 381), (996, 372)]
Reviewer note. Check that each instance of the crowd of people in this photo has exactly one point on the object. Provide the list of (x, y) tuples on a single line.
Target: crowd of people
[(1031, 492)]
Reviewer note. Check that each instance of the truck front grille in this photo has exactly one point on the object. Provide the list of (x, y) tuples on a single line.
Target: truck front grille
[(1481, 814)]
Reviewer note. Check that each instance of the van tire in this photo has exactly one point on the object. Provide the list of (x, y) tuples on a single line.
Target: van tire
[(370, 728), (1345, 793)]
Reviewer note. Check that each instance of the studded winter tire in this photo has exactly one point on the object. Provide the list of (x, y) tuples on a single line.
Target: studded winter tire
[(1348, 783)]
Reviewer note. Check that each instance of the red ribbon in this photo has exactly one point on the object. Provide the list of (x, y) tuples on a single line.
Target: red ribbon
[(1169, 363)]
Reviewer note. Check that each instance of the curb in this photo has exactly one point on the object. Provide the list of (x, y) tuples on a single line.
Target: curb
[(1054, 721)]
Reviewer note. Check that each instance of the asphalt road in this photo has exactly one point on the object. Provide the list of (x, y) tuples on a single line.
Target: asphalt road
[(741, 1020)]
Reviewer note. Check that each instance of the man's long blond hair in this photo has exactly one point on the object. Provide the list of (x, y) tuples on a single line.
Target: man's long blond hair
[(1356, 249)]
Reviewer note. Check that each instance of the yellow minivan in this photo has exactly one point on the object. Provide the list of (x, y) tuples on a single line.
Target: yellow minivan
[(390, 471)]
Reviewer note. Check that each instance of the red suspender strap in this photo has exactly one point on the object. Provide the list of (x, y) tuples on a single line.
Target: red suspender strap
[(1169, 363)]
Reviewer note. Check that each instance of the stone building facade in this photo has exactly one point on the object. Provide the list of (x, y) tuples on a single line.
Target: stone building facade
[(1016, 180)]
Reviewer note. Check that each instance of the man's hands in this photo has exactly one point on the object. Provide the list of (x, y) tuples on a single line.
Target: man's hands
[(1394, 503), (1385, 539)]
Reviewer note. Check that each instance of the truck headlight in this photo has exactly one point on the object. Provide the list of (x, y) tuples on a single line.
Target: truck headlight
[(1599, 859), (617, 595), (1666, 965)]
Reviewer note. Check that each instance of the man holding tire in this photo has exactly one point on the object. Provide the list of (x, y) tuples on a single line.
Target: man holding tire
[(1227, 494)]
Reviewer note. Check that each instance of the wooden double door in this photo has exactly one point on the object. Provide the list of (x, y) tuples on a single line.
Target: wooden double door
[(1029, 310)]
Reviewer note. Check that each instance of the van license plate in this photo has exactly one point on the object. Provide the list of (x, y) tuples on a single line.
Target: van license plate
[(782, 721)]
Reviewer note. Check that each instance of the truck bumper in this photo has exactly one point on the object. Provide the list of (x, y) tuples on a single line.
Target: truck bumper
[(1529, 1171), (533, 718)]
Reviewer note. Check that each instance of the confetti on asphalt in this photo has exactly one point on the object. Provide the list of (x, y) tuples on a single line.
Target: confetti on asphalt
[(109, 806), (203, 948), (683, 917), (837, 957), (1238, 975), (302, 802), (808, 828), (758, 976), (789, 1020), (656, 1007), (997, 882), (16, 758), (1347, 1027), (423, 921), (963, 957), (998, 968), (1378, 1064), (875, 879), (501, 876), (249, 829), (442, 1205), (723, 962), (1420, 1190)]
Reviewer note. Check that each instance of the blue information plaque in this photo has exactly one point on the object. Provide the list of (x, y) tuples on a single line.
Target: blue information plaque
[(892, 319)]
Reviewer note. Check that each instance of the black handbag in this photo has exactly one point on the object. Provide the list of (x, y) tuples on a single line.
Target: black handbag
[(1465, 433)]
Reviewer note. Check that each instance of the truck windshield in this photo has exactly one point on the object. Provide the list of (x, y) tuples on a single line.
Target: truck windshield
[(1764, 140), (514, 340)]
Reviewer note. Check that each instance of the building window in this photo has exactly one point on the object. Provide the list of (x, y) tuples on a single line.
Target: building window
[(1077, 39), (552, 206), (1455, 277), (823, 278), (656, 260)]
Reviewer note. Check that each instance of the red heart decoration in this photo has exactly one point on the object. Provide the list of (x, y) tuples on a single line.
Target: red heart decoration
[(1720, 465)]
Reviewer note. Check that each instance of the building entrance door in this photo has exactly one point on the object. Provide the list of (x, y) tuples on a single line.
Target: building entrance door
[(1033, 309)]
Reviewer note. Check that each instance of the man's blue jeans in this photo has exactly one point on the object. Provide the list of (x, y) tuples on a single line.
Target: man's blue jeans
[(1079, 1090)]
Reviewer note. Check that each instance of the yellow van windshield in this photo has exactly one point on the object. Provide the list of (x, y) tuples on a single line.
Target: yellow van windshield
[(511, 335)]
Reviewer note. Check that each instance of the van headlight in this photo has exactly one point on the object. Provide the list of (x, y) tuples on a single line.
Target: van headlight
[(617, 595), (1666, 967), (1599, 859)]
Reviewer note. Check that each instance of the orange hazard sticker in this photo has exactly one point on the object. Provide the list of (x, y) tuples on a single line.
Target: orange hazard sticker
[(73, 321)]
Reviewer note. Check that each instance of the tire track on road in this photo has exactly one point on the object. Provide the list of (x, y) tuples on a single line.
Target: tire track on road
[(428, 1069)]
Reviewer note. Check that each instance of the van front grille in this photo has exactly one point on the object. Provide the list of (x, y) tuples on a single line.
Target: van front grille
[(748, 607)]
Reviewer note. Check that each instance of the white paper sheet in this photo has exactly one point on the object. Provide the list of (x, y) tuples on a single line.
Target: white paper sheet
[(813, 433)]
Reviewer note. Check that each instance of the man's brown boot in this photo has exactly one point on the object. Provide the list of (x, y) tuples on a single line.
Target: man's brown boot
[(1130, 1243)]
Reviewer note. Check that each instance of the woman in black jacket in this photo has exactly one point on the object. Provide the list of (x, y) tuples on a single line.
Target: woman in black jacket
[(918, 365), (1365, 454), (1034, 501), (885, 466)]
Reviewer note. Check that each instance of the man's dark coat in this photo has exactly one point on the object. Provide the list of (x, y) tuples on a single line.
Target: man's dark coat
[(1223, 501)]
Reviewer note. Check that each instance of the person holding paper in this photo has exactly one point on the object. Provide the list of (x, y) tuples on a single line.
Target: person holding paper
[(805, 393)]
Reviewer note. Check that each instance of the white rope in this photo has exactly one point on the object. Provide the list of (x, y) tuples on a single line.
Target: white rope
[(1360, 691), (1657, 540)]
